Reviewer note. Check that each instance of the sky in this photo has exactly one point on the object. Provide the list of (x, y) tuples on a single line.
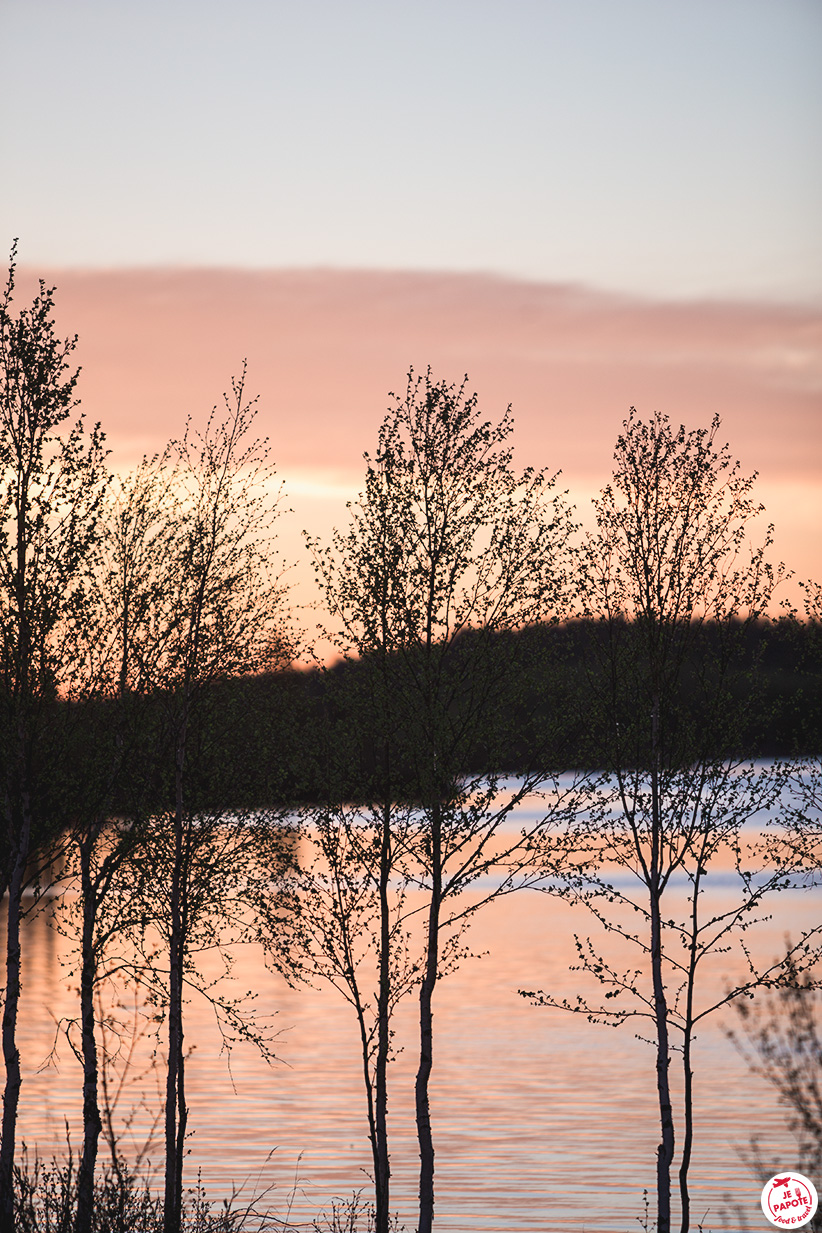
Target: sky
[(664, 147), (585, 205)]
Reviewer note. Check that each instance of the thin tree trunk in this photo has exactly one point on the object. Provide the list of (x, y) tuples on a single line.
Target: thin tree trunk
[(172, 1203), (424, 1137), (376, 1090), (11, 1054), (369, 1092), (383, 1166), (685, 1164), (92, 1122), (21, 842), (688, 1097), (665, 1150), (182, 1122), (365, 1056)]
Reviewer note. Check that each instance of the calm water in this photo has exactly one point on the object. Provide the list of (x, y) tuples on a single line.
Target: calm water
[(541, 1121)]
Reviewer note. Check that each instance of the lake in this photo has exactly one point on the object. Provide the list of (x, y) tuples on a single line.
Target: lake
[(541, 1120)]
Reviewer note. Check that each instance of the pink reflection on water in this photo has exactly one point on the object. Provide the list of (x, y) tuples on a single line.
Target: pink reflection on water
[(541, 1121)]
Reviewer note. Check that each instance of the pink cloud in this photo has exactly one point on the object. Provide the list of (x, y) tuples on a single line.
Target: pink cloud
[(324, 348)]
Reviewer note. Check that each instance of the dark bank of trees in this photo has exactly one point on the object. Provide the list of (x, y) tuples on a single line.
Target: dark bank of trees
[(775, 684), (157, 747)]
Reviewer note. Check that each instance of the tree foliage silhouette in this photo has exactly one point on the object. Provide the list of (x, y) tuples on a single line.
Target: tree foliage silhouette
[(673, 586), (216, 611), (53, 479), (448, 549)]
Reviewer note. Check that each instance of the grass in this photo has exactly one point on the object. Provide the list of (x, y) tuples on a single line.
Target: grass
[(46, 1195)]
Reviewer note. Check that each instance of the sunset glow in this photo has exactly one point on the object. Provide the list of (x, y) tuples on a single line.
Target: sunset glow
[(324, 349)]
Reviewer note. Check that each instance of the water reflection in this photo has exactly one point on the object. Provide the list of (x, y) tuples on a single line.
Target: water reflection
[(542, 1121)]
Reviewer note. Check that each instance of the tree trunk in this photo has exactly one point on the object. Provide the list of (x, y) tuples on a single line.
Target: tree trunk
[(688, 1095), (685, 1164), (383, 1167), (11, 1054), (92, 1122), (665, 1151), (369, 1095), (375, 1085), (427, 1034), (182, 1123), (175, 1099)]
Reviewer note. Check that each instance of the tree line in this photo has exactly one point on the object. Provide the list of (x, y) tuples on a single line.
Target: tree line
[(777, 688), (196, 791)]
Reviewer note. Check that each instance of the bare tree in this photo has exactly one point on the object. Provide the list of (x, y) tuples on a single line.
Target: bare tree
[(53, 480), (210, 608), (135, 537), (671, 587), (449, 551), (350, 926)]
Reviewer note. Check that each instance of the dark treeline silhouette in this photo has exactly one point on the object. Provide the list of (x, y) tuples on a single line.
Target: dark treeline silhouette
[(302, 712)]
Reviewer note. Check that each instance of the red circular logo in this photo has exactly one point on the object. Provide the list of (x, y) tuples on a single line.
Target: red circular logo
[(789, 1200)]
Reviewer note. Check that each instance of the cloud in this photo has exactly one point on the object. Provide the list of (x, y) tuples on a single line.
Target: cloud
[(325, 347)]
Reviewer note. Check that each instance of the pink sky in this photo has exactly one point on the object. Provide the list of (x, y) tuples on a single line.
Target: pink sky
[(324, 348)]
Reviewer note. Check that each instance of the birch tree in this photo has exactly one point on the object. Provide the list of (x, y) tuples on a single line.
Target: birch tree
[(346, 920), (450, 548), (216, 612), (53, 479), (136, 536), (671, 584)]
